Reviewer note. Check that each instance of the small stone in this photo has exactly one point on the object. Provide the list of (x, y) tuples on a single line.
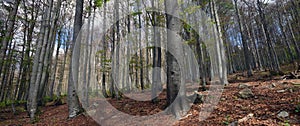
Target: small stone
[(113, 117), (223, 99), (235, 123), (280, 91), (274, 85), (283, 114), (242, 86), (249, 116), (246, 93)]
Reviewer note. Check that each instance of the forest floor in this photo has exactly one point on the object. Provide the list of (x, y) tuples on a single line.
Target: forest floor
[(274, 102)]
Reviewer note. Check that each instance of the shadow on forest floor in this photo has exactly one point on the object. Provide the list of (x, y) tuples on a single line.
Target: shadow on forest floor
[(271, 96)]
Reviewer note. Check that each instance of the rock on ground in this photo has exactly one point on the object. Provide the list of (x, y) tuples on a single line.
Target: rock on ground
[(246, 93)]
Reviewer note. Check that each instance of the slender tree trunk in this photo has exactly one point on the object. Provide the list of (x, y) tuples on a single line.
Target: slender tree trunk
[(128, 68), (156, 73), (104, 54), (7, 71), (53, 76), (37, 65), (294, 40), (9, 32), (222, 69), (62, 67), (116, 85), (140, 48), (273, 56), (284, 36), (86, 58), (90, 54), (258, 55), (245, 44)]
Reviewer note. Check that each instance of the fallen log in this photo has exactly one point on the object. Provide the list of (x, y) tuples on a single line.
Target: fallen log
[(292, 75)]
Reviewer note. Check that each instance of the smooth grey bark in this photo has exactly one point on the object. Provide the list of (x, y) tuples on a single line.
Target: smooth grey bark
[(112, 86), (52, 36), (128, 84), (156, 73), (37, 64), (222, 66), (200, 48), (90, 54), (84, 94), (140, 48), (73, 101), (176, 97), (49, 51), (115, 53), (43, 60), (115, 78), (117, 20), (25, 79), (104, 54)]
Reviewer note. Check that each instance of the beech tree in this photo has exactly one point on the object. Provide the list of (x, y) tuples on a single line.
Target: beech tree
[(73, 101), (176, 97), (39, 59)]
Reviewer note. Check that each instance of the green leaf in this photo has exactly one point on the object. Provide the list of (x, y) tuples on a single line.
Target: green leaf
[(136, 13), (98, 3)]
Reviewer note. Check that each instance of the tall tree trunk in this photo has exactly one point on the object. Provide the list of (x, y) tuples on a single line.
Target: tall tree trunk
[(86, 58), (222, 69), (273, 56), (245, 44), (62, 67), (73, 101), (37, 64), (9, 32), (156, 73), (53, 76), (258, 55), (283, 33), (104, 54), (176, 97), (115, 78), (294, 40)]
